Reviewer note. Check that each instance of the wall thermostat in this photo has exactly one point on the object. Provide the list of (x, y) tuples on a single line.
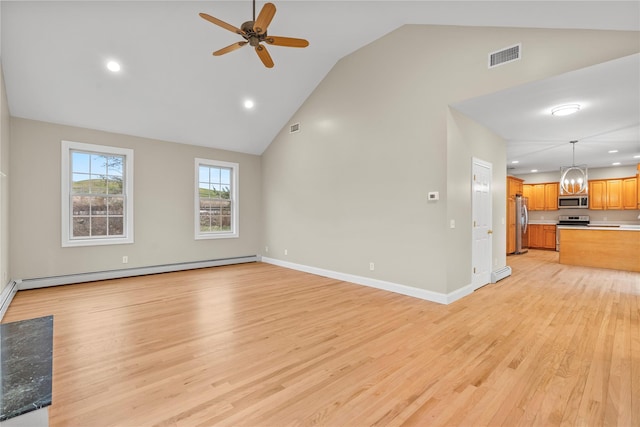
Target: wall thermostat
[(433, 195)]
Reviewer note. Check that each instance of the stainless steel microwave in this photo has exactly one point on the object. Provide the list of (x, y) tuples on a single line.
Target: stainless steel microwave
[(573, 202)]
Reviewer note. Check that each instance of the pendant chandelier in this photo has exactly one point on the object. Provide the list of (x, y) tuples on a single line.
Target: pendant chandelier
[(573, 179)]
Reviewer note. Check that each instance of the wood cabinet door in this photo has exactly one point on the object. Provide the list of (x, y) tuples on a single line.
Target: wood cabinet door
[(614, 194), (598, 194), (514, 186), (551, 196), (629, 193), (536, 202), (527, 191), (535, 236), (549, 236)]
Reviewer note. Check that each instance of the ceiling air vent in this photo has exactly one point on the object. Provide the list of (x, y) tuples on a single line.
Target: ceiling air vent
[(508, 54), (294, 128)]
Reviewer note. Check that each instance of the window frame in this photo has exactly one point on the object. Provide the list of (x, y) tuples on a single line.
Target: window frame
[(234, 194), (66, 183)]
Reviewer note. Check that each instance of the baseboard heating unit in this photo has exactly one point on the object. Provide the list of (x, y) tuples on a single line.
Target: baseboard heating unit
[(129, 272), (500, 274)]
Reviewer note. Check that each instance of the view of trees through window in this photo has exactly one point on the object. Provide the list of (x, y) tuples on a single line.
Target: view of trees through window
[(214, 188), (97, 194)]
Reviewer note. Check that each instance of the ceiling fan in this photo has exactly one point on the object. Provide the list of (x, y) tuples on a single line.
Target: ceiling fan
[(255, 32)]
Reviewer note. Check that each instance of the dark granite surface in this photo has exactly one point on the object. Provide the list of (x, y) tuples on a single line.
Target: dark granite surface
[(25, 366)]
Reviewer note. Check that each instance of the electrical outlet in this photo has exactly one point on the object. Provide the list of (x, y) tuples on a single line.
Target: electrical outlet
[(372, 266), (125, 259), (452, 223), (266, 248), (286, 252)]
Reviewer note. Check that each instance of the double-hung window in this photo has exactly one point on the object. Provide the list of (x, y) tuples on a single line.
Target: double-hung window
[(216, 199), (97, 194)]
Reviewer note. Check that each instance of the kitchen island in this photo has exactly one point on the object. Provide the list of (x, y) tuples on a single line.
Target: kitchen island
[(614, 247)]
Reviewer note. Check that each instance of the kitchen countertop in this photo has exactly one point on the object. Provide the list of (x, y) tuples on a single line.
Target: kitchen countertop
[(612, 227), (26, 366)]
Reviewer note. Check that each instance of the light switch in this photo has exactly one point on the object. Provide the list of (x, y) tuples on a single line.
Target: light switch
[(433, 195)]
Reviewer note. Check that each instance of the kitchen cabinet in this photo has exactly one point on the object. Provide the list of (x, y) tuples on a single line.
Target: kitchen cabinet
[(613, 194), (638, 186), (535, 235), (614, 248), (630, 193), (551, 196), (598, 195), (514, 186), (542, 236), (542, 197)]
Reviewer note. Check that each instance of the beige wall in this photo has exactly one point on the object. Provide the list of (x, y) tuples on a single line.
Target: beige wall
[(351, 187), (466, 140), (5, 272), (163, 204)]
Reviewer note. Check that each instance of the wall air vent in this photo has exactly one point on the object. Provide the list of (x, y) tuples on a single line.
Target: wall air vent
[(503, 56), (294, 128)]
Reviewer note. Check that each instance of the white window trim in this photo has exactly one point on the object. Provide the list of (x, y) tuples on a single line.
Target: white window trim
[(235, 208), (67, 241)]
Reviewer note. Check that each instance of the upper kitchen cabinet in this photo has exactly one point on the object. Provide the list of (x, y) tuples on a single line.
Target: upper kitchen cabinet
[(542, 197), (551, 196), (638, 186), (613, 194), (630, 193), (514, 186)]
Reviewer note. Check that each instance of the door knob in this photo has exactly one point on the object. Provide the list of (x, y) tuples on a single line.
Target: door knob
[(490, 232)]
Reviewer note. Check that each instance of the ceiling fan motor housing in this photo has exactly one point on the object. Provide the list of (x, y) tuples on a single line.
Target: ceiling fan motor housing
[(250, 35)]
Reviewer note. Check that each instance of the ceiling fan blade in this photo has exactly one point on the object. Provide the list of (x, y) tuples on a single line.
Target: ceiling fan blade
[(229, 48), (222, 24), (286, 41), (264, 56), (264, 18)]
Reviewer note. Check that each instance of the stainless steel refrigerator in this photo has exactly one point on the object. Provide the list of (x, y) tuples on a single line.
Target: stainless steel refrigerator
[(522, 225)]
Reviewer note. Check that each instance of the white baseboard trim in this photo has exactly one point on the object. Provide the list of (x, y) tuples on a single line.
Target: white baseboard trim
[(129, 272), (378, 284), (6, 296)]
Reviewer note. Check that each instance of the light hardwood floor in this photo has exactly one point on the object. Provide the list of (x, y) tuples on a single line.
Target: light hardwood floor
[(260, 345)]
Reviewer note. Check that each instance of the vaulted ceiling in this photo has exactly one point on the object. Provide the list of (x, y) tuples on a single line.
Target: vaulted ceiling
[(170, 87)]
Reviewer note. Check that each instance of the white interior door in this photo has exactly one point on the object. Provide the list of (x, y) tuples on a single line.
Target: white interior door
[(481, 215)]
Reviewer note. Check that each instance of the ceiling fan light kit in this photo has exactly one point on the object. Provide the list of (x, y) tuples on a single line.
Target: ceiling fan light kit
[(254, 33)]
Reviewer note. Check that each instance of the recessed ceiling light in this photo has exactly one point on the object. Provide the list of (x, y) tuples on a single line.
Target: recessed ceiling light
[(565, 110), (612, 151), (534, 170), (515, 162), (615, 164), (113, 66), (249, 104)]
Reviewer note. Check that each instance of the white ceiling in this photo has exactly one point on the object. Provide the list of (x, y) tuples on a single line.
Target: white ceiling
[(609, 118), (171, 87)]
